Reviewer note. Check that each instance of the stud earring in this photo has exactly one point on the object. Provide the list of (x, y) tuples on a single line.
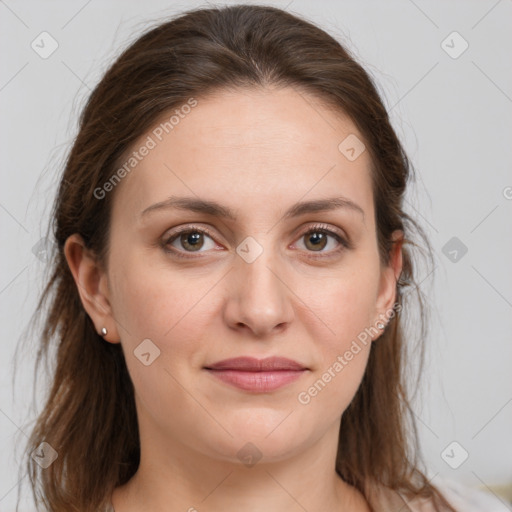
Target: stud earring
[(104, 331), (380, 325)]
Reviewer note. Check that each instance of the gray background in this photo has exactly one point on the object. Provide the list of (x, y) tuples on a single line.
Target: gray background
[(454, 116)]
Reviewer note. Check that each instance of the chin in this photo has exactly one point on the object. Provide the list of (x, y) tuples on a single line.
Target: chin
[(269, 439), (250, 452)]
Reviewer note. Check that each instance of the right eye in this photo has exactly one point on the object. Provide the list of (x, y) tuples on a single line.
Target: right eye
[(191, 239)]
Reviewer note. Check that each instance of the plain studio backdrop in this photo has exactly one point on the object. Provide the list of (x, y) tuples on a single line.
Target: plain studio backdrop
[(444, 72)]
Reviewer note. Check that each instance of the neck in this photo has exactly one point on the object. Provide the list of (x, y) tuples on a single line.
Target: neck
[(180, 479)]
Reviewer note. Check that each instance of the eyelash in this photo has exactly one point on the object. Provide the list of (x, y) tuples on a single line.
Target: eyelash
[(344, 244)]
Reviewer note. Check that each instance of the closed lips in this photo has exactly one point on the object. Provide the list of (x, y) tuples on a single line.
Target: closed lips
[(254, 375), (251, 364)]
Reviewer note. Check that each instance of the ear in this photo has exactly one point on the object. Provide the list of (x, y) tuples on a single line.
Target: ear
[(389, 276), (92, 285)]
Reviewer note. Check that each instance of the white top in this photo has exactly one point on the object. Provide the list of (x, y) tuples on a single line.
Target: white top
[(469, 499), (462, 498)]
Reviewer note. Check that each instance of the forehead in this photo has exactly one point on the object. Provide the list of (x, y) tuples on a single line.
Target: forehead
[(250, 148)]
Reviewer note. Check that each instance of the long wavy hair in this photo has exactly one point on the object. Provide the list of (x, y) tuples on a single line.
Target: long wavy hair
[(89, 416)]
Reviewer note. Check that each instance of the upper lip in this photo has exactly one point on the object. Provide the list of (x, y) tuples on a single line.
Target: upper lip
[(252, 364)]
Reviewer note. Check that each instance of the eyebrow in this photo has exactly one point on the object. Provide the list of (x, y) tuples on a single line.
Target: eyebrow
[(217, 210)]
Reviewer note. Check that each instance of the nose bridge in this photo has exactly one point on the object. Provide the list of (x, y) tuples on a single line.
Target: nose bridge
[(259, 275), (261, 298)]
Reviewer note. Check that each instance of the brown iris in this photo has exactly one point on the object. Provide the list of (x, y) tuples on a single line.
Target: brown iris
[(193, 240), (318, 240)]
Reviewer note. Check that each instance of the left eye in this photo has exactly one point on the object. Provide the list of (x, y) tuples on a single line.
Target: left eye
[(318, 238)]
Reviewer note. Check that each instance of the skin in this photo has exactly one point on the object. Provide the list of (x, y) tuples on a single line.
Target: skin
[(256, 152)]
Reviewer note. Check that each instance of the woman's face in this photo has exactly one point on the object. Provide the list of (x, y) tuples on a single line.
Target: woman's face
[(255, 285)]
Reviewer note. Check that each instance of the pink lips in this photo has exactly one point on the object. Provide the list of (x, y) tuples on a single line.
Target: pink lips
[(257, 375)]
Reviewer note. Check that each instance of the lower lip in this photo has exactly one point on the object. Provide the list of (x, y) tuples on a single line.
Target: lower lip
[(258, 381)]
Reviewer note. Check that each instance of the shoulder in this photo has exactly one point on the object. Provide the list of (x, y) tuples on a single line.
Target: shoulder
[(462, 497)]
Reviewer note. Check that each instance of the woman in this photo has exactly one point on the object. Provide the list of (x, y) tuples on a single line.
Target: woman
[(228, 290)]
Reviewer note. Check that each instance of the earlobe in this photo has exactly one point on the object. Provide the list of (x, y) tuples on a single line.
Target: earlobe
[(90, 281)]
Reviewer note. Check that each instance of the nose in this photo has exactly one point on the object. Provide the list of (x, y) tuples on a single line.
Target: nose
[(259, 300)]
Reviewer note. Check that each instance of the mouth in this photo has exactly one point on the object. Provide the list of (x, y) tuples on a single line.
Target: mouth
[(257, 375)]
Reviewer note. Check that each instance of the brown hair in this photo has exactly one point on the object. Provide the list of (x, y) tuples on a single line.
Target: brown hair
[(89, 416)]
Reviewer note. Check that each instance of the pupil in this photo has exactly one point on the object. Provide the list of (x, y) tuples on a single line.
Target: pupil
[(194, 237), (192, 240)]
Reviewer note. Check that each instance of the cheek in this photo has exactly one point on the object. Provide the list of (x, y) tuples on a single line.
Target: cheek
[(332, 389), (174, 313), (168, 307), (344, 308), (145, 301), (344, 305), (342, 351)]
